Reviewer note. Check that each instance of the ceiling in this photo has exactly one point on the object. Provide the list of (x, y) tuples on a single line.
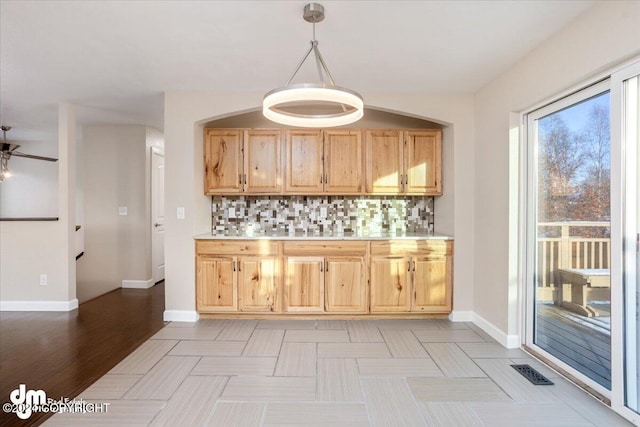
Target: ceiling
[(116, 58)]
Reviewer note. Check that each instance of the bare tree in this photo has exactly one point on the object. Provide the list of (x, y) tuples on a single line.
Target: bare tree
[(560, 157)]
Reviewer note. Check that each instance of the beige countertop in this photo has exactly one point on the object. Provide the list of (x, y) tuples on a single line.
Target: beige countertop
[(322, 236)]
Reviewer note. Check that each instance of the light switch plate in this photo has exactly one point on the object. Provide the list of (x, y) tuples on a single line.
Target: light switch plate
[(180, 213), (122, 211)]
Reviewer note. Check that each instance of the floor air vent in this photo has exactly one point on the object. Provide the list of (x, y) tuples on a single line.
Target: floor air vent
[(535, 377)]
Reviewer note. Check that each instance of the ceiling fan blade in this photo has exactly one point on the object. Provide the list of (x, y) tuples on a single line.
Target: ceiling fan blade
[(31, 156)]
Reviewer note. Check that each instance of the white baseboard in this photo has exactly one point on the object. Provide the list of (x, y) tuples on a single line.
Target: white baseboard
[(461, 316), (180, 316), (137, 284), (39, 305), (508, 341)]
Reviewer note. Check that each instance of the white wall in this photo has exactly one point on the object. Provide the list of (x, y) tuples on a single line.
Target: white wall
[(605, 35), (28, 249), (116, 170), (185, 114), (33, 182)]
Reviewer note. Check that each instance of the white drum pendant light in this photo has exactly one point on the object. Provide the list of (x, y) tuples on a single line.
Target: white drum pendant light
[(321, 104)]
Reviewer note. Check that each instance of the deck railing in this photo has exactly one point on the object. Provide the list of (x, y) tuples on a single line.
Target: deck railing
[(567, 250)]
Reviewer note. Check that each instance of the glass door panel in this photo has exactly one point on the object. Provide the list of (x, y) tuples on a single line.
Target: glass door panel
[(571, 230)]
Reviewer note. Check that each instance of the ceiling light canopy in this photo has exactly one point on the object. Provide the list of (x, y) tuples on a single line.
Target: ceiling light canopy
[(321, 104)]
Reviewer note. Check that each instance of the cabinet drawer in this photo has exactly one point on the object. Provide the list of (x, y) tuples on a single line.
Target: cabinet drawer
[(237, 247), (326, 248), (412, 247)]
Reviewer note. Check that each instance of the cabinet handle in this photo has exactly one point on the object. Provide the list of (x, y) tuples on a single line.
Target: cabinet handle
[(326, 268), (321, 179), (326, 181), (321, 266), (239, 265), (240, 178), (414, 266), (245, 179), (234, 266), (408, 265)]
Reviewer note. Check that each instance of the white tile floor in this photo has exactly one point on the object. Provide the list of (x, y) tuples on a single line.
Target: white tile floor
[(341, 373)]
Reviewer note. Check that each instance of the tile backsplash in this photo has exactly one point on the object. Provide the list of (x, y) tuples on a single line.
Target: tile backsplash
[(321, 214)]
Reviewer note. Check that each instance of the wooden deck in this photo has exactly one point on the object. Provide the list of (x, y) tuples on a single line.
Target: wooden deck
[(579, 341)]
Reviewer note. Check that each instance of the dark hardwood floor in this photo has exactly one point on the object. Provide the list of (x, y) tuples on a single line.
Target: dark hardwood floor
[(64, 353)]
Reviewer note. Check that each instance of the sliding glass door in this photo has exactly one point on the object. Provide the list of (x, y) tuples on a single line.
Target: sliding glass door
[(582, 220), (569, 234)]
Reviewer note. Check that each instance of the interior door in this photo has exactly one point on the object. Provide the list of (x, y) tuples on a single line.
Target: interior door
[(157, 215)]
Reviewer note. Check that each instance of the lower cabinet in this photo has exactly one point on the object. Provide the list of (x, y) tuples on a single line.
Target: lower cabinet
[(333, 277), (217, 289), (345, 285), (325, 284), (390, 282), (432, 280), (258, 279), (304, 284), (419, 283)]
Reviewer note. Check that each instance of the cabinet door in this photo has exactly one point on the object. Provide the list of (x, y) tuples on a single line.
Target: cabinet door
[(222, 161), (304, 284), (432, 284), (216, 284), (262, 161), (384, 161), (390, 279), (304, 168), (346, 285), (423, 162), (257, 283), (343, 161)]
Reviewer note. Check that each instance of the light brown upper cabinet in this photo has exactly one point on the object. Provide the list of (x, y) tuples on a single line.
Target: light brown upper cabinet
[(242, 161), (403, 162), (223, 161), (313, 161), (343, 161), (262, 172), (423, 162), (324, 162), (304, 166)]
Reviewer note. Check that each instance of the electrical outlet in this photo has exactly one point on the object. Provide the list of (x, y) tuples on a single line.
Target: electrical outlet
[(43, 280), (122, 211), (180, 213)]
